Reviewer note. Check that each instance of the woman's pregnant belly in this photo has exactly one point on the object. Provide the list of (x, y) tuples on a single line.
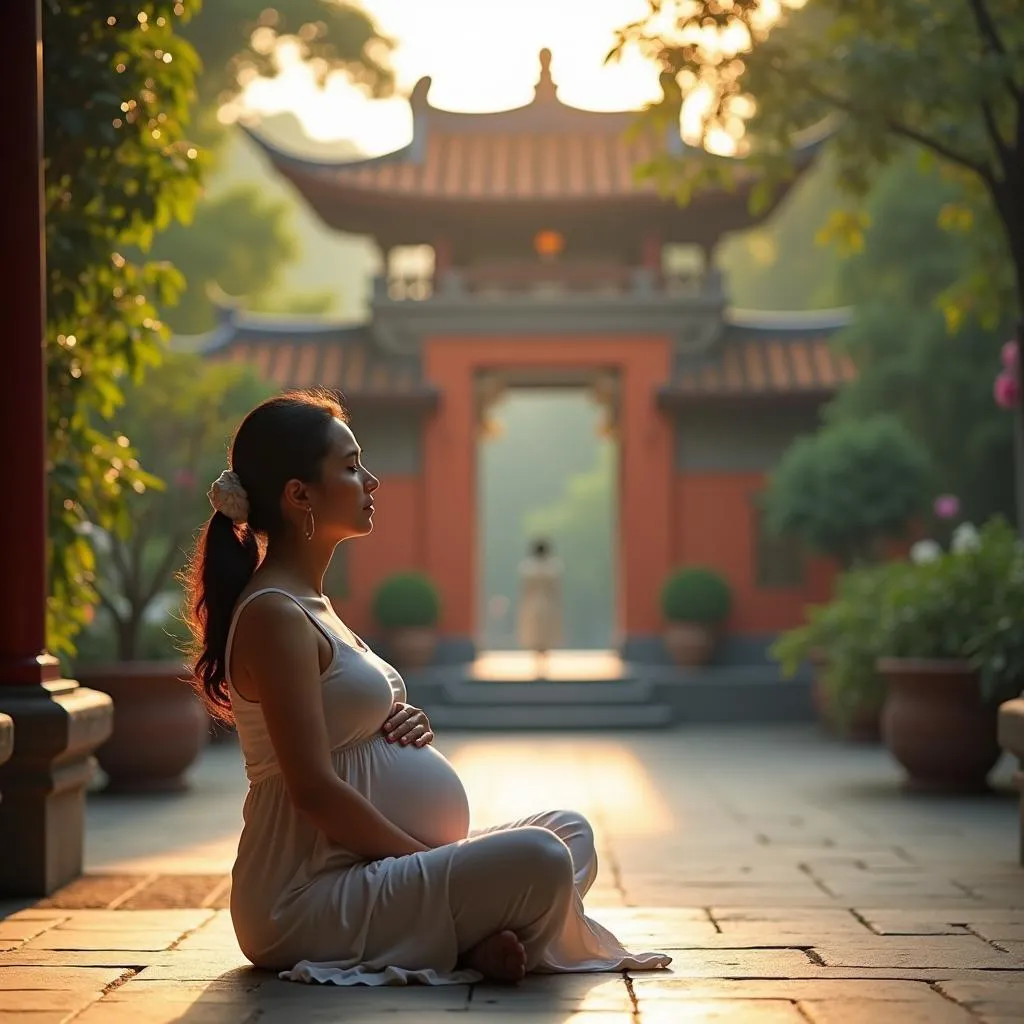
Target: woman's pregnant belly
[(418, 789)]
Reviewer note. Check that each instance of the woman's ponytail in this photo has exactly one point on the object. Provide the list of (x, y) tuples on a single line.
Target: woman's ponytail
[(221, 566), (286, 437)]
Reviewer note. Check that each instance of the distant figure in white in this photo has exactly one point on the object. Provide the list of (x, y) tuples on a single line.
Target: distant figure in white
[(540, 603)]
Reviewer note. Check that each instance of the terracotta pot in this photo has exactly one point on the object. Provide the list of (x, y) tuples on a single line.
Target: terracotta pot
[(160, 726), (691, 644), (936, 725), (412, 647)]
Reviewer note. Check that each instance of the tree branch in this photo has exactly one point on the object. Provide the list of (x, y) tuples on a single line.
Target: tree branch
[(999, 144), (160, 573), (117, 557), (983, 170), (990, 34), (107, 602)]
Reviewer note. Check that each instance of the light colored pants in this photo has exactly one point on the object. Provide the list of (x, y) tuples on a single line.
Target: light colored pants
[(521, 877)]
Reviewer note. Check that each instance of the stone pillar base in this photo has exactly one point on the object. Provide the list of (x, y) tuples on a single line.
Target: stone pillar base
[(57, 726), (6, 739), (1011, 738)]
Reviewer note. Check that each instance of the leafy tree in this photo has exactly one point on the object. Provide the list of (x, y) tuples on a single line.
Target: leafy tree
[(119, 166), (180, 417), (944, 76), (938, 385), (236, 40), (848, 487), (237, 243), (784, 263)]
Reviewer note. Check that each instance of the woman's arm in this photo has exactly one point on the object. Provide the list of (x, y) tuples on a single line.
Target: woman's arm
[(276, 646)]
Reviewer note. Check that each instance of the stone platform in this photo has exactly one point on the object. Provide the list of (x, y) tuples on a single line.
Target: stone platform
[(791, 878), (599, 690)]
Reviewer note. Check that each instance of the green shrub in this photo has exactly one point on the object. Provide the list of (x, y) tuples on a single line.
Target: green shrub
[(849, 486), (696, 594), (406, 599), (966, 603), (844, 633)]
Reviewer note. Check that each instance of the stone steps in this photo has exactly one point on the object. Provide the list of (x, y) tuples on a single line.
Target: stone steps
[(562, 717), (617, 691)]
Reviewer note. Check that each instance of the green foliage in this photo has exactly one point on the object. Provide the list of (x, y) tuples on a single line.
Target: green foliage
[(849, 486), (240, 242), (119, 166), (964, 604), (888, 73), (696, 594), (406, 599), (237, 244), (843, 637), (159, 638), (237, 39), (938, 384), (784, 263), (180, 418)]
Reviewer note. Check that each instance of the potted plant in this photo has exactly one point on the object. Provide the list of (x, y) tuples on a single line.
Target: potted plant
[(952, 636), (407, 607), (840, 640), (695, 601), (847, 488), (179, 419)]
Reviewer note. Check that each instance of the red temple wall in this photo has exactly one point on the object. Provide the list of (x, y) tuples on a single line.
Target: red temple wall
[(396, 544), (450, 536), (714, 524)]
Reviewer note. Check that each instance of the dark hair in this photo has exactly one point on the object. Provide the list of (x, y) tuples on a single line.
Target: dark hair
[(283, 438), (540, 547)]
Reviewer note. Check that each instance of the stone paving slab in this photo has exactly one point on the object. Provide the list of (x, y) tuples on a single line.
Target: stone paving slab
[(853, 1011), (791, 877)]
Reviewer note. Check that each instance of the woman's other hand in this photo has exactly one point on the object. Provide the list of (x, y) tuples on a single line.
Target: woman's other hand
[(406, 725)]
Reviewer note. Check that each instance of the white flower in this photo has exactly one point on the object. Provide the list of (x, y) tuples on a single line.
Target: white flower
[(925, 551), (227, 496), (965, 538)]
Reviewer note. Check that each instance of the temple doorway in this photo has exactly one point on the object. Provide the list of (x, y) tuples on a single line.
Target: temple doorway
[(547, 468)]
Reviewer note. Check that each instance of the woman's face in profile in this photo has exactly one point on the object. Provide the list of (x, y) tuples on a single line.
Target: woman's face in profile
[(345, 506)]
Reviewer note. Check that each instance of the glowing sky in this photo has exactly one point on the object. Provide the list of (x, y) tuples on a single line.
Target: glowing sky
[(480, 54)]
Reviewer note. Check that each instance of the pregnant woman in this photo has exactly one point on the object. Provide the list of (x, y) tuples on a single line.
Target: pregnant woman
[(356, 864)]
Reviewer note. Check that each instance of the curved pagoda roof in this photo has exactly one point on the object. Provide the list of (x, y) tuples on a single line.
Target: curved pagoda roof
[(761, 356), (546, 159)]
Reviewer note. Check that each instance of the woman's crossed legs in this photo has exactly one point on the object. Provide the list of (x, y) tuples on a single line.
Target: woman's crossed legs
[(511, 888)]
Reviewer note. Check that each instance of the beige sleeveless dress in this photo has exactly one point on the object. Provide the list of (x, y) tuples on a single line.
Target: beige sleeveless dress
[(304, 906)]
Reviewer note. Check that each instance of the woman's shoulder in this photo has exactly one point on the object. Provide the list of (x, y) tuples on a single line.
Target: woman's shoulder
[(263, 607)]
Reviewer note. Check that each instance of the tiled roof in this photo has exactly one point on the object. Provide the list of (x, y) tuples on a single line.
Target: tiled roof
[(320, 355), (768, 354), (760, 355), (545, 150)]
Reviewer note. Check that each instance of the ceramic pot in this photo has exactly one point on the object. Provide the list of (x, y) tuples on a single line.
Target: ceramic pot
[(691, 644), (935, 724), (160, 725)]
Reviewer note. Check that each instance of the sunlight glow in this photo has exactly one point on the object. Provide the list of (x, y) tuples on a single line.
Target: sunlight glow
[(601, 779), (455, 42)]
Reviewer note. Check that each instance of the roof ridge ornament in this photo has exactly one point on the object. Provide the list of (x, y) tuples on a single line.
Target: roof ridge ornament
[(545, 91)]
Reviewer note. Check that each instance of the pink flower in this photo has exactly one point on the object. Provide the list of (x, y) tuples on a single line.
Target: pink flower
[(1006, 391), (947, 506), (1010, 355)]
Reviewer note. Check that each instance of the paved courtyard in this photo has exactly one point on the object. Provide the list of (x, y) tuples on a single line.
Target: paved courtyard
[(788, 874)]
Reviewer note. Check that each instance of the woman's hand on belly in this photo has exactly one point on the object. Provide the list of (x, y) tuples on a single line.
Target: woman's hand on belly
[(407, 724)]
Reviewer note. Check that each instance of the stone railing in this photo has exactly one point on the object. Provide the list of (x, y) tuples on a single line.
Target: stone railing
[(540, 282)]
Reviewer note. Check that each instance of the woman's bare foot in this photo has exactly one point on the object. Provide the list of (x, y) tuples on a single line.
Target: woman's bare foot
[(501, 957)]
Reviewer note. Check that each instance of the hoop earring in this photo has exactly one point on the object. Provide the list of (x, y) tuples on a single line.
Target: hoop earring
[(309, 525)]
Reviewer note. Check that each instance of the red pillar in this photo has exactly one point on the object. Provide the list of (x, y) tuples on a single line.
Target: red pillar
[(57, 724)]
